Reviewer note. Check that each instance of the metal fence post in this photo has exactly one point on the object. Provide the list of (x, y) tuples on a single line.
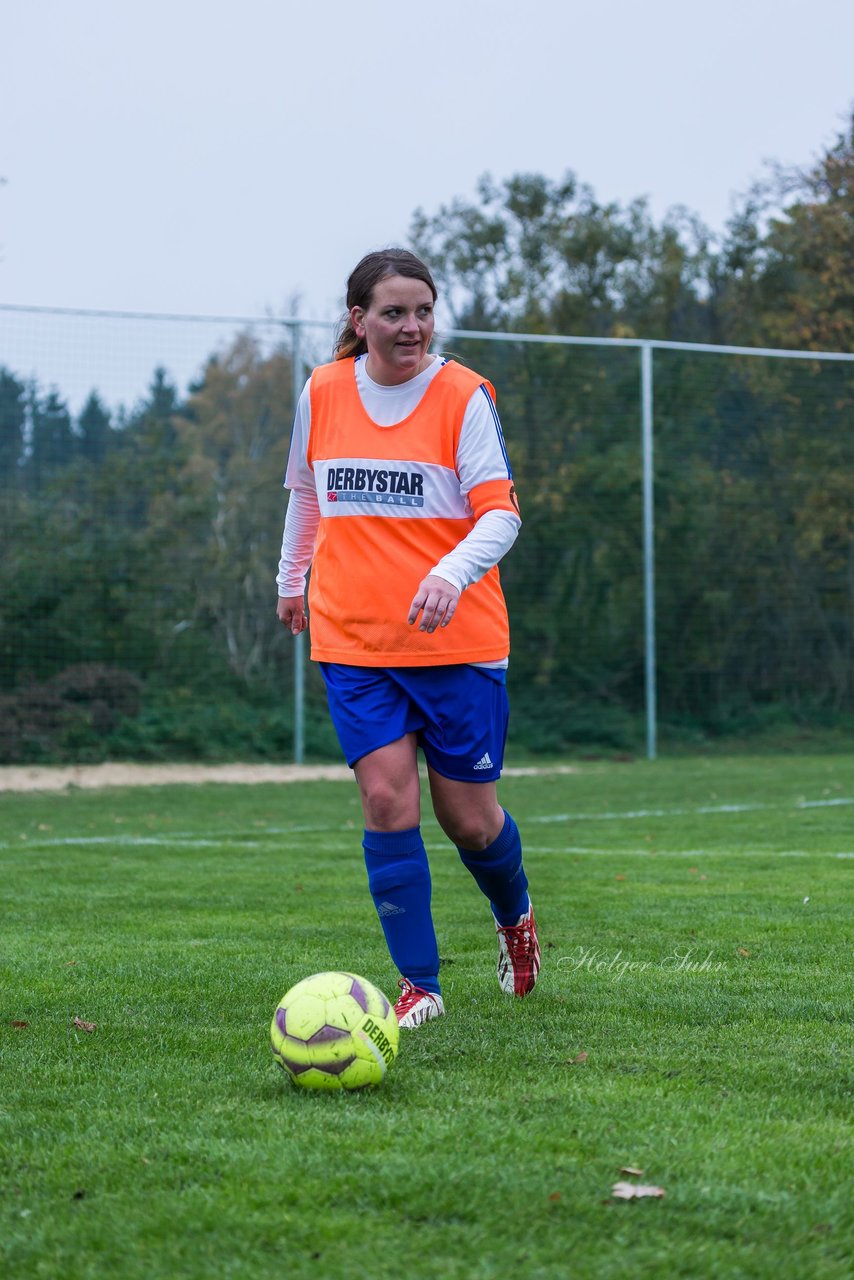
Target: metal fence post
[(648, 549), (299, 641)]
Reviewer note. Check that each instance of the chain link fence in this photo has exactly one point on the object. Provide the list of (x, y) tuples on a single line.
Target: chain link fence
[(686, 567)]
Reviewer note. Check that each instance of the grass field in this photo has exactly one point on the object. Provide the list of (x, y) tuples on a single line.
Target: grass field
[(693, 1020)]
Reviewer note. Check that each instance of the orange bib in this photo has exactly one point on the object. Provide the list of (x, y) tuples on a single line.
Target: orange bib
[(391, 507)]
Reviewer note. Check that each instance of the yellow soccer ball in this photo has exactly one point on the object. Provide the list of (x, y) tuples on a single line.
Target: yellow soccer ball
[(334, 1031)]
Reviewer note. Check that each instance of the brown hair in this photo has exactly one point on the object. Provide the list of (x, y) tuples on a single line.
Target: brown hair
[(360, 290)]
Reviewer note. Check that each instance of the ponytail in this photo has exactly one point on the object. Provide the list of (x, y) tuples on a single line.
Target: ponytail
[(348, 342)]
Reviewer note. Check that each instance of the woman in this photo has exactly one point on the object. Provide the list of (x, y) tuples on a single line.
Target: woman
[(402, 500)]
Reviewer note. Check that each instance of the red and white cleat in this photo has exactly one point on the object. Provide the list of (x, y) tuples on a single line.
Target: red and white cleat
[(518, 955), (415, 1005)]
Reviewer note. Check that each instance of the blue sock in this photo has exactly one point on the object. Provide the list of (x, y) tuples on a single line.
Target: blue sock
[(499, 873), (399, 880)]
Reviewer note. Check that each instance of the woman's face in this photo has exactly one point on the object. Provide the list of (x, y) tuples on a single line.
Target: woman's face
[(398, 329)]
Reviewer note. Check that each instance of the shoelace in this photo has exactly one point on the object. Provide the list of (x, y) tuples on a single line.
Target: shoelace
[(520, 942), (409, 996)]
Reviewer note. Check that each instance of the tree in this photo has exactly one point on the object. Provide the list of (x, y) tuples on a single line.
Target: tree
[(94, 430), (13, 410), (238, 422), (788, 260), (535, 255), (52, 442)]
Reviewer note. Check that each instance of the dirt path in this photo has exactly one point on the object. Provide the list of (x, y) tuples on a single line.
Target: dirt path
[(92, 776)]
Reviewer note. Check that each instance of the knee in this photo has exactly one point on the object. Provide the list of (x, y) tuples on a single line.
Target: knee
[(387, 807), (468, 830)]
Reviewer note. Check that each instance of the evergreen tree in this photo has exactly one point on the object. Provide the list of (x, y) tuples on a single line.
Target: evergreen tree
[(162, 400), (13, 412), (94, 429), (52, 443), (152, 424)]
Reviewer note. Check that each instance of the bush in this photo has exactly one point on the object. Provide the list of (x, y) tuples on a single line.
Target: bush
[(67, 717), (552, 724), (95, 712), (107, 692)]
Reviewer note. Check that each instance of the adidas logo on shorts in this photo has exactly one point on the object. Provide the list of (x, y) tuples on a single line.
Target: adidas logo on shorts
[(485, 762), (389, 909)]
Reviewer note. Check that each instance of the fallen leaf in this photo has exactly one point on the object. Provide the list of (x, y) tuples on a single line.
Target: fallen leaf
[(18, 1023), (635, 1191), (632, 1173), (555, 1195), (84, 1026)]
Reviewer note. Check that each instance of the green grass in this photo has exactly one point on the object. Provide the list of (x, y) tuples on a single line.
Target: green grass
[(713, 1002)]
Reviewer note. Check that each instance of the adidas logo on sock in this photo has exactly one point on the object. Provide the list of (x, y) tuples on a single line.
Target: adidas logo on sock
[(485, 762), (389, 909)]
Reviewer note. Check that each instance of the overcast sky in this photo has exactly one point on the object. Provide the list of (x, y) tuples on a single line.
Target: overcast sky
[(203, 156)]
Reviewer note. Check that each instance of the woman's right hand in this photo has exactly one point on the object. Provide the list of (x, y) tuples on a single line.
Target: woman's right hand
[(291, 613)]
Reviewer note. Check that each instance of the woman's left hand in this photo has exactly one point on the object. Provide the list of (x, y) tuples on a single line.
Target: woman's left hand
[(436, 601)]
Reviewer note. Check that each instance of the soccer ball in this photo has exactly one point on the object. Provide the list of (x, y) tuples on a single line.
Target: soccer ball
[(334, 1031)]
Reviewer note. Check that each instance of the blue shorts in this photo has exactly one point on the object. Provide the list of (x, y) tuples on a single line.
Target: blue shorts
[(458, 712)]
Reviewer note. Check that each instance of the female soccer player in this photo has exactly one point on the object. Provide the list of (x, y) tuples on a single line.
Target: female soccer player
[(402, 501)]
